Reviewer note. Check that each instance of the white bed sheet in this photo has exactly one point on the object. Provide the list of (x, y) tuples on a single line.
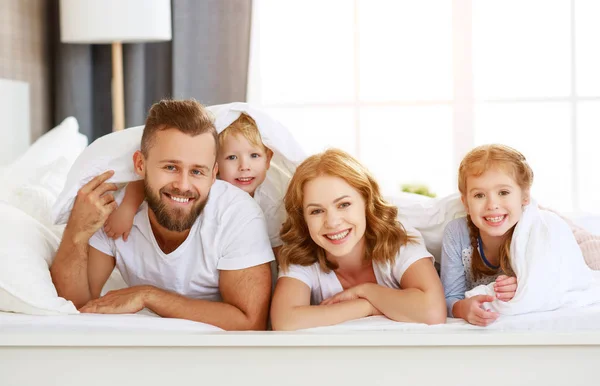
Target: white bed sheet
[(144, 322), (560, 321)]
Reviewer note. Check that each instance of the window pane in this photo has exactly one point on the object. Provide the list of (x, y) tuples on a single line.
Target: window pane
[(405, 49), (588, 156), (303, 52), (587, 34), (542, 132), (521, 48), (409, 145), (317, 129)]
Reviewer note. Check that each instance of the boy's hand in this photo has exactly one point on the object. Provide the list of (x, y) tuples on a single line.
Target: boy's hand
[(505, 287), (120, 222)]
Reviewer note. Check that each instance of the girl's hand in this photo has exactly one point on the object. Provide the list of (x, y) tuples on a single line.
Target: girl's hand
[(505, 287), (120, 222), (472, 310)]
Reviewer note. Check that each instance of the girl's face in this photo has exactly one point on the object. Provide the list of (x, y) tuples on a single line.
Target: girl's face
[(243, 164), (335, 214), (495, 202)]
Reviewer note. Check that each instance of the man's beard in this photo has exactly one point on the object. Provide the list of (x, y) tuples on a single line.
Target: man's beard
[(173, 219)]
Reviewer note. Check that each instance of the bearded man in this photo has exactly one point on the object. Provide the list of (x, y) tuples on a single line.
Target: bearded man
[(199, 247)]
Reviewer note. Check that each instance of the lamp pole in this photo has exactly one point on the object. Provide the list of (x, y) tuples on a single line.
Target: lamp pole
[(118, 94)]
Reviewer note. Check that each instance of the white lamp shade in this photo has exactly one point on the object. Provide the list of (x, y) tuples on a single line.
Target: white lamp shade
[(108, 21)]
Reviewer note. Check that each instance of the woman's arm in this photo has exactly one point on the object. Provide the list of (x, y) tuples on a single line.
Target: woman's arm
[(291, 309), (420, 300)]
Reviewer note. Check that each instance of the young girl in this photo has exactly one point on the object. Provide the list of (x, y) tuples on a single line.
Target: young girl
[(243, 160), (494, 182), (345, 255)]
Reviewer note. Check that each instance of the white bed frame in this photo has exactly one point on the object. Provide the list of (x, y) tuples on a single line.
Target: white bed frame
[(306, 359)]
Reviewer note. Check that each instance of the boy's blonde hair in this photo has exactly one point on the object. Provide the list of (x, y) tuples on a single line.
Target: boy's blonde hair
[(476, 162), (246, 127)]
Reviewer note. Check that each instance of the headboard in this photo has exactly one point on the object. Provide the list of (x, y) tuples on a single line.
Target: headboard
[(15, 130), (25, 54)]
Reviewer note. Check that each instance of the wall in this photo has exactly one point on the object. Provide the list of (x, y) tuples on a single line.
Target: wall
[(24, 55)]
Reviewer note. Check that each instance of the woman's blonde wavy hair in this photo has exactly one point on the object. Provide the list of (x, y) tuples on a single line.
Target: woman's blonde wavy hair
[(384, 234), (477, 162)]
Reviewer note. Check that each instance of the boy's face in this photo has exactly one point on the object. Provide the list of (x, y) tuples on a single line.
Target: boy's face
[(243, 164)]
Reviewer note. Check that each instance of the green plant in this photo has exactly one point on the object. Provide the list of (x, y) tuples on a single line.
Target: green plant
[(418, 189)]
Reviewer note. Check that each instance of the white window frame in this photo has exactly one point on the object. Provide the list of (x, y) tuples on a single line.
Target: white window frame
[(463, 102)]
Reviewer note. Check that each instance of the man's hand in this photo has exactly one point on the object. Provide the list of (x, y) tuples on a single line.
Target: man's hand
[(92, 207), (123, 301)]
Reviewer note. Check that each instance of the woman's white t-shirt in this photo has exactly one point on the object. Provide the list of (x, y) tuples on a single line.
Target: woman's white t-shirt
[(325, 285)]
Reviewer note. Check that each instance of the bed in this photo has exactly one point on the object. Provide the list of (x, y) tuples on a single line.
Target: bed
[(559, 347)]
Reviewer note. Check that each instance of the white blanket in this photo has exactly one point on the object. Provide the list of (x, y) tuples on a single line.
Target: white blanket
[(550, 269), (562, 320), (115, 151)]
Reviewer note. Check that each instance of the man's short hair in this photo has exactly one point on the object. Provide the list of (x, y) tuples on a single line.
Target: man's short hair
[(188, 116)]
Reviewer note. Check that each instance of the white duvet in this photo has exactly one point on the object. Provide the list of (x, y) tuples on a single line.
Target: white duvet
[(550, 269)]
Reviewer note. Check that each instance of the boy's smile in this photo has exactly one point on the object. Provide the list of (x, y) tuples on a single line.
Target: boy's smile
[(243, 164)]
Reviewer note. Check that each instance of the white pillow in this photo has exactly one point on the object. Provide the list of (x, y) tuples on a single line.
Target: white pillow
[(62, 142), (113, 151), (26, 252), (429, 216)]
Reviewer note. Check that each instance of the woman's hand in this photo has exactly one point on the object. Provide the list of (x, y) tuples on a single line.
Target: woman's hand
[(344, 296), (350, 294), (505, 287), (472, 310)]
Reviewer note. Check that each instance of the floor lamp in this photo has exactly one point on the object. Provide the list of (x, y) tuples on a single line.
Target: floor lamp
[(115, 22)]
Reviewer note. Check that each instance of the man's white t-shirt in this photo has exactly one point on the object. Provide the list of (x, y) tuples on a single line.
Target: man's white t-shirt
[(229, 234), (325, 285)]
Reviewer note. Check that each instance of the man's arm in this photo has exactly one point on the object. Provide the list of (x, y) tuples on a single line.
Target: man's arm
[(245, 292), (70, 269)]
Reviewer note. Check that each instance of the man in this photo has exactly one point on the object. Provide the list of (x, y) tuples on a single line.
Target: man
[(190, 254)]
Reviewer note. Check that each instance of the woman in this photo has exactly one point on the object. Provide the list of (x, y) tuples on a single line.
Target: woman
[(345, 254)]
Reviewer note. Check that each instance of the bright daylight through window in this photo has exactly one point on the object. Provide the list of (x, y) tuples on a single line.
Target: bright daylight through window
[(410, 86)]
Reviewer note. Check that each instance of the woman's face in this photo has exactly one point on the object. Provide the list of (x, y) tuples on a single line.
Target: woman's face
[(335, 214)]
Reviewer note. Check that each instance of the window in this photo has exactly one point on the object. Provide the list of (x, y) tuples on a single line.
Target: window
[(410, 86)]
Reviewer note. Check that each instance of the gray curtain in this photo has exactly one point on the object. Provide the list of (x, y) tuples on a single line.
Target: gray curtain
[(206, 60)]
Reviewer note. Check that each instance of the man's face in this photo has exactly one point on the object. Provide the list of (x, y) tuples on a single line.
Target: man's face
[(178, 174)]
